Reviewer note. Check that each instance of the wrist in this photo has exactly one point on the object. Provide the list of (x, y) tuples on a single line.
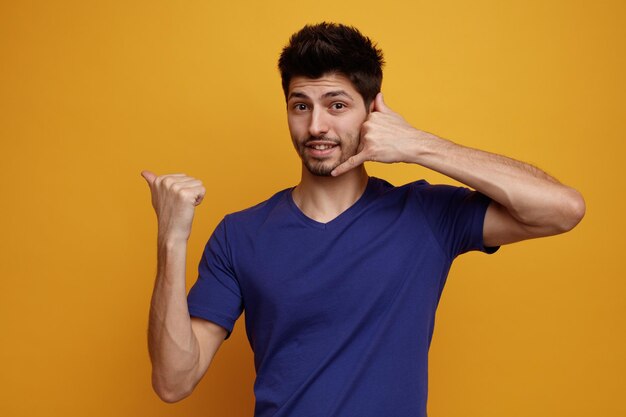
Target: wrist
[(424, 146)]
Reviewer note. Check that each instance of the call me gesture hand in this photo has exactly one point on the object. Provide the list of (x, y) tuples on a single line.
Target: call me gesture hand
[(385, 137)]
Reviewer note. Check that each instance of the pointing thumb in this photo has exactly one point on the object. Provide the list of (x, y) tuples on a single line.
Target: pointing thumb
[(149, 176)]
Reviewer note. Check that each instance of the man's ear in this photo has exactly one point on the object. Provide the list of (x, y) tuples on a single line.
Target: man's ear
[(370, 108)]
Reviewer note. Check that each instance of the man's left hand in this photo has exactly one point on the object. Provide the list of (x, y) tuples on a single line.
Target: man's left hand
[(385, 137)]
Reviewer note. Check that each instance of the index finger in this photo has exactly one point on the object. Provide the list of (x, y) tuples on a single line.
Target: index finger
[(352, 162)]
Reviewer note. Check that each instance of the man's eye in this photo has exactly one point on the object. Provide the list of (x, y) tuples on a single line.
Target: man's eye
[(338, 106), (300, 106)]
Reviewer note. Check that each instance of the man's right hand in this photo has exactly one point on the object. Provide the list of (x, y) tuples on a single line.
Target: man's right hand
[(174, 198)]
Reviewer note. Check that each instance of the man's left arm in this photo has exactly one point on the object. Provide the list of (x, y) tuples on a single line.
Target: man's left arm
[(526, 202)]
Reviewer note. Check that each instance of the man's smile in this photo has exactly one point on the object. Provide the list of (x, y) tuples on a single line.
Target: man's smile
[(321, 147)]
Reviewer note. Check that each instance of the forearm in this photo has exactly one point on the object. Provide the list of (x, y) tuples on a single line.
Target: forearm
[(173, 347), (530, 195)]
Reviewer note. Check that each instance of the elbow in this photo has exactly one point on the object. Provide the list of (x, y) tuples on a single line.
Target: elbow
[(169, 393), (559, 215), (170, 397), (573, 210)]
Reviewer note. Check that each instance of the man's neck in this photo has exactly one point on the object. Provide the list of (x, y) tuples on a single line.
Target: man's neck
[(324, 198)]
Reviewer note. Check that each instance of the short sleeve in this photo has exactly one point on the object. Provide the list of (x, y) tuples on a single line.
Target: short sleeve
[(456, 216), (216, 295)]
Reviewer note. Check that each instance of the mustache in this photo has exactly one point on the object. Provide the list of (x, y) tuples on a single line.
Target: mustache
[(324, 138)]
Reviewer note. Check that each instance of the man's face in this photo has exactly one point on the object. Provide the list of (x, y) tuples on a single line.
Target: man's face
[(325, 116)]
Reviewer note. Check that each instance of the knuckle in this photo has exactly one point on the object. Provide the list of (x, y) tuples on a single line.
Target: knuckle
[(167, 182), (187, 192)]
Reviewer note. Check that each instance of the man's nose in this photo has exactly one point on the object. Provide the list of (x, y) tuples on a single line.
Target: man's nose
[(318, 125)]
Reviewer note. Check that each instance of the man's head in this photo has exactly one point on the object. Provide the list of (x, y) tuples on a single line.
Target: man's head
[(328, 48), (331, 75)]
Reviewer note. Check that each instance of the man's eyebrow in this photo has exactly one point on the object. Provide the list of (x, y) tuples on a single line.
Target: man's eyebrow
[(337, 93), (297, 94)]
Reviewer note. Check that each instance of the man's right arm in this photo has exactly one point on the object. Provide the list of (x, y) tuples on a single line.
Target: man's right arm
[(181, 347)]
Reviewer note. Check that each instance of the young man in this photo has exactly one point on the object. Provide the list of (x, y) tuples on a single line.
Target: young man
[(339, 276)]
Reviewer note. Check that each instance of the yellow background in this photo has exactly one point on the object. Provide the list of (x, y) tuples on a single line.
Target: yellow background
[(91, 93)]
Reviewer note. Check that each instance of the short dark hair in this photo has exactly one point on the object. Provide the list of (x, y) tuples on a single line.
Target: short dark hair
[(325, 48)]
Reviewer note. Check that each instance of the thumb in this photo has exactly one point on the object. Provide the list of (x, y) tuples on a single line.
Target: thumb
[(379, 104), (149, 176)]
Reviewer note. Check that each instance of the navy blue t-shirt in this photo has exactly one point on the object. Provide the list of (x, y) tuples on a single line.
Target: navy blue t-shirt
[(339, 315)]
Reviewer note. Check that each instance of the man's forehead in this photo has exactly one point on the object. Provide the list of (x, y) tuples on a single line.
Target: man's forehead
[(326, 85)]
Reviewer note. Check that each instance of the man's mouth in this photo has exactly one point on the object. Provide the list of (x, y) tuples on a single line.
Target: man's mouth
[(321, 147), (321, 144)]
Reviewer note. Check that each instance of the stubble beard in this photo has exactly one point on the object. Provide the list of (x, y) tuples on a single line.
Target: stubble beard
[(321, 167), (318, 167)]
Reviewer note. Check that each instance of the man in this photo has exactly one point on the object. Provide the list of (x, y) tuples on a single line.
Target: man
[(339, 276)]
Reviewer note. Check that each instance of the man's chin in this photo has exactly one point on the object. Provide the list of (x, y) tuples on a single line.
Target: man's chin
[(320, 169)]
